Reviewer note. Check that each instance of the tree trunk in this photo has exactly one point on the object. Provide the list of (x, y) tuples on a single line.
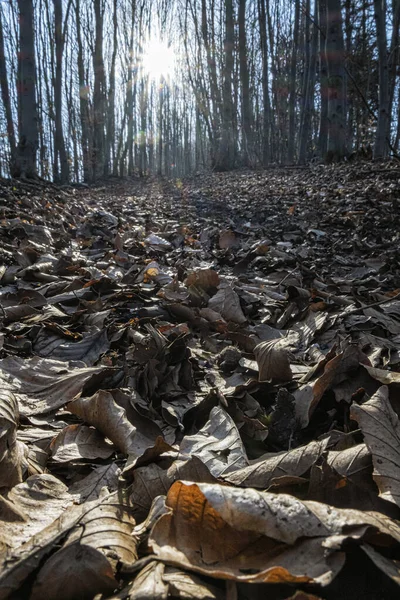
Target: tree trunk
[(336, 83), (292, 85), (25, 160), (5, 96), (98, 157), (60, 155), (226, 154), (110, 137), (381, 144), (262, 18), (245, 88), (308, 104), (86, 142), (323, 81)]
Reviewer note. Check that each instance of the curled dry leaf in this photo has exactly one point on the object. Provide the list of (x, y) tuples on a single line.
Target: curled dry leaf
[(350, 461), (391, 568), (226, 302), (152, 481), (30, 507), (86, 564), (108, 417), (218, 444), (12, 459), (227, 240), (381, 429), (294, 463), (205, 278), (383, 376), (88, 350), (273, 361), (42, 385), (100, 482), (246, 535), (77, 442), (16, 566)]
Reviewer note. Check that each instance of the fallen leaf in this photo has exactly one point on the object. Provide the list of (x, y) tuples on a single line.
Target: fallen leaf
[(226, 302), (11, 450), (273, 361), (42, 385), (381, 429), (77, 442), (224, 532), (262, 473), (218, 444), (102, 411)]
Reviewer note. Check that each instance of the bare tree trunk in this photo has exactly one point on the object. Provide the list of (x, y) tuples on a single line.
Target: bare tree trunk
[(226, 154), (98, 157), (5, 96), (381, 145), (25, 160), (245, 87), (394, 56), (110, 142), (216, 100), (83, 101), (292, 85), (262, 17), (59, 142), (308, 104), (323, 81), (336, 83)]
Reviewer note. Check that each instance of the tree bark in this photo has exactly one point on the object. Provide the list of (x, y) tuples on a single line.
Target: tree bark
[(336, 83), (381, 145), (247, 137), (292, 85), (60, 154), (5, 96), (25, 160), (226, 154), (98, 157)]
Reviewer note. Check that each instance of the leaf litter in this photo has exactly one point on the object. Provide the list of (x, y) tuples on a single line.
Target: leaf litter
[(200, 387)]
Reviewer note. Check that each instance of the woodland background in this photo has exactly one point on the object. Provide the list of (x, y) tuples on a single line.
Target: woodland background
[(254, 83)]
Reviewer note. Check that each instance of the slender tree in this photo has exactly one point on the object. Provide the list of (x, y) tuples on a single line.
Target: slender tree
[(383, 125), (336, 83), (25, 159)]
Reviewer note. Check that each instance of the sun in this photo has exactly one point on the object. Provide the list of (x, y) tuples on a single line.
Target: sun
[(158, 60)]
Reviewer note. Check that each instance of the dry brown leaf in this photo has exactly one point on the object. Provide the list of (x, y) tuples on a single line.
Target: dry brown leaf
[(226, 302), (204, 278), (88, 350), (223, 532), (391, 568), (267, 469), (15, 567), (350, 461), (227, 240), (86, 564), (383, 376), (152, 481), (102, 411), (100, 482), (30, 507), (273, 361), (12, 455), (381, 429), (218, 444), (77, 442), (42, 385)]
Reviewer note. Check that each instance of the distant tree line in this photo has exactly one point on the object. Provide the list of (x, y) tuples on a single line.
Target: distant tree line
[(256, 83)]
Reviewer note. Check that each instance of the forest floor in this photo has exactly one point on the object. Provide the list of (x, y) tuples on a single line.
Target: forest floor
[(200, 387)]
